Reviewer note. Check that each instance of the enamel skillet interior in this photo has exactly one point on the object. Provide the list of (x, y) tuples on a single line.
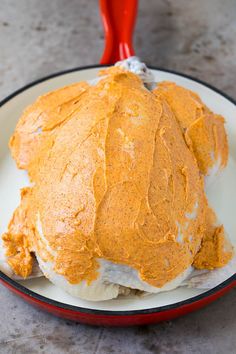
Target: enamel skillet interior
[(123, 311)]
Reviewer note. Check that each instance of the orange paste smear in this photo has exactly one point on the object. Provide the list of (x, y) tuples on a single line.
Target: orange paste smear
[(115, 175), (203, 130)]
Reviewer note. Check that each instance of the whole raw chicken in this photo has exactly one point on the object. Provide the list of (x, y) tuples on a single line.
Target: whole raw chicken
[(117, 197)]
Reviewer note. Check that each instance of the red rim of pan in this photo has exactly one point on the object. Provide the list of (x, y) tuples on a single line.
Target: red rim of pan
[(133, 316)]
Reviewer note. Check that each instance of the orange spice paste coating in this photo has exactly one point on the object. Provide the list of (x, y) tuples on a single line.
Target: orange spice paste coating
[(113, 178), (203, 130)]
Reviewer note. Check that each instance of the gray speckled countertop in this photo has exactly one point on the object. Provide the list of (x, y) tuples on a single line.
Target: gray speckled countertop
[(41, 37)]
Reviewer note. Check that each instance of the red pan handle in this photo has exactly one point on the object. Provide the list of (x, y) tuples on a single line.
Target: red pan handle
[(118, 17)]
